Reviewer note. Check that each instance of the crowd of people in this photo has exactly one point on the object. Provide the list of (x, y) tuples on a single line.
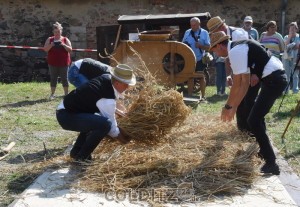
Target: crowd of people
[(258, 69)]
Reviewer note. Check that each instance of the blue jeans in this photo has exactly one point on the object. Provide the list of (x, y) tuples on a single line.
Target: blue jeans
[(271, 88), (220, 77), (93, 128), (289, 66), (75, 77)]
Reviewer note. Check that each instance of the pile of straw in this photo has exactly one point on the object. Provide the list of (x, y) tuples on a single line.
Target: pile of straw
[(199, 158), (204, 156)]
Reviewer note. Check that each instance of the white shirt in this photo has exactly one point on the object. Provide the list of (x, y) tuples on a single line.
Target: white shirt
[(238, 57), (238, 34), (78, 63), (107, 108)]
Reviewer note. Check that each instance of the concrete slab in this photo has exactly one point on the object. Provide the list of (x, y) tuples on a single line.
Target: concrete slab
[(52, 188)]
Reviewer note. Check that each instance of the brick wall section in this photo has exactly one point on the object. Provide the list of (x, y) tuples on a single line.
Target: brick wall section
[(29, 23)]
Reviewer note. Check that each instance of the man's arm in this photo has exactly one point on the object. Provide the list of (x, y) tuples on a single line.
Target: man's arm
[(237, 93)]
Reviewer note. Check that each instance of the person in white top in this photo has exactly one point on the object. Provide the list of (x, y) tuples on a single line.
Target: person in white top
[(269, 70), (90, 109)]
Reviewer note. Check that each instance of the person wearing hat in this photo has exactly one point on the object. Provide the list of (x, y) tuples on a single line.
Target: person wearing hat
[(216, 24), (90, 110), (248, 56), (198, 40), (248, 22), (83, 70)]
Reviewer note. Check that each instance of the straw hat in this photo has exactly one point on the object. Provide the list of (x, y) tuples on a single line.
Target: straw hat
[(217, 37), (124, 74), (214, 23)]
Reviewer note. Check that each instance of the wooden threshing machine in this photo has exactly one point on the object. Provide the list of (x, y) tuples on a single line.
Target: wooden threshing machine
[(171, 61)]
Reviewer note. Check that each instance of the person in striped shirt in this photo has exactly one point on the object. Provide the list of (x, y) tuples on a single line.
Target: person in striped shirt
[(272, 40)]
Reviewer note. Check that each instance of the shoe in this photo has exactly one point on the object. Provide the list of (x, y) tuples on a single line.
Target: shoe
[(203, 100), (51, 97), (219, 93), (223, 94), (270, 168)]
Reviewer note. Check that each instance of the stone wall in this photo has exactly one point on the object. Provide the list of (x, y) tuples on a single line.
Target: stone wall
[(29, 23)]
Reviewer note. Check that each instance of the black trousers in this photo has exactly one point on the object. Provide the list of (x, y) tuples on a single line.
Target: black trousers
[(272, 87), (245, 107)]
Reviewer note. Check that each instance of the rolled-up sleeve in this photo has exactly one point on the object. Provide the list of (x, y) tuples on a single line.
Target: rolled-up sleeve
[(107, 108)]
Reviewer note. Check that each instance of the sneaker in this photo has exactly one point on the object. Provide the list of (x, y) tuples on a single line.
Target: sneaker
[(203, 100), (51, 97), (219, 93), (223, 94), (270, 168)]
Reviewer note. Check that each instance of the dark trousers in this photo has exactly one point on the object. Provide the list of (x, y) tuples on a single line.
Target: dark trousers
[(245, 107), (93, 128), (271, 88)]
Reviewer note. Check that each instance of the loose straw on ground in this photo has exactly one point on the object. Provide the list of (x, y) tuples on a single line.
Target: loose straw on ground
[(201, 155)]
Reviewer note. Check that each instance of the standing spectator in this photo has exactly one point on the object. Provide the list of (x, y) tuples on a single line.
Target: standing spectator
[(198, 40), (248, 22), (58, 48), (220, 75), (289, 57), (272, 40), (216, 24), (246, 56), (83, 70), (77, 112)]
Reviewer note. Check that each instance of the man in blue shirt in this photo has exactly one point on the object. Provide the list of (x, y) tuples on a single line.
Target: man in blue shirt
[(248, 21), (198, 40)]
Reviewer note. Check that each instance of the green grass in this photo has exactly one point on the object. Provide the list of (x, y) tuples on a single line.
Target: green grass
[(28, 118)]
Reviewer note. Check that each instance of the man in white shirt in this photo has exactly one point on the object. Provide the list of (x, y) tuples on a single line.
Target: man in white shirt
[(80, 109), (269, 70)]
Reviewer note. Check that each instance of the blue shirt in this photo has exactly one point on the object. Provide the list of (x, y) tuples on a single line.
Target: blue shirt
[(253, 33), (203, 40)]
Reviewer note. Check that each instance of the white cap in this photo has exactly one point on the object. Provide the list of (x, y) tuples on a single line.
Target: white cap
[(248, 19)]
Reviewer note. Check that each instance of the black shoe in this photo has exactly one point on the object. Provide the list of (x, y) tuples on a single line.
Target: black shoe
[(81, 159), (270, 168)]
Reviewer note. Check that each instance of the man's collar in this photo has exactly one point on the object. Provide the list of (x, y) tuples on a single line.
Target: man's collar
[(117, 93)]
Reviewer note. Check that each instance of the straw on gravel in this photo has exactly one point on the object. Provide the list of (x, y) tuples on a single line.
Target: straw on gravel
[(204, 156)]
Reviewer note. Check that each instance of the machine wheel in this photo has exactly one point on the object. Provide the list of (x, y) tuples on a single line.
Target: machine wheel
[(196, 88)]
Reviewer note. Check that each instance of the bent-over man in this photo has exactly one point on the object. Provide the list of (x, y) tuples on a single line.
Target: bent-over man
[(242, 55), (77, 112)]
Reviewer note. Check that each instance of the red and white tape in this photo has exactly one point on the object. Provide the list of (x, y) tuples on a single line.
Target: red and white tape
[(41, 48)]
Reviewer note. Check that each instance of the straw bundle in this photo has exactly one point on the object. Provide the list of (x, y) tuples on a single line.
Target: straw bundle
[(153, 114), (205, 158), (154, 110)]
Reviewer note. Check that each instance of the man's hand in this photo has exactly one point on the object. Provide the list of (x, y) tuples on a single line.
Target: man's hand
[(228, 114), (229, 81), (253, 80), (123, 137), (197, 45)]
